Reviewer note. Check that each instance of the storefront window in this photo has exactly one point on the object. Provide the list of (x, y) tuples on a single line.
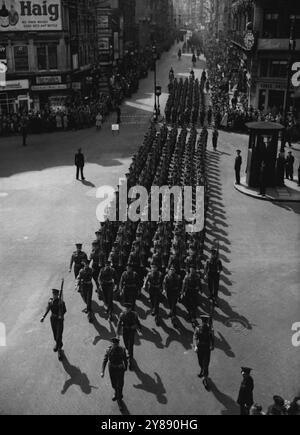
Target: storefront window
[(21, 58)]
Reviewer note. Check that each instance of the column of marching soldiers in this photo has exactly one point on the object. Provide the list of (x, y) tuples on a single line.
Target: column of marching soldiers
[(156, 260)]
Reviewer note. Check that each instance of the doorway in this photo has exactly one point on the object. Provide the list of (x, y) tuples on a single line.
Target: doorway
[(276, 101)]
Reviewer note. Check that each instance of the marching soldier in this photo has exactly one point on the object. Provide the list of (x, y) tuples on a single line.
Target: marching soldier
[(58, 310), (117, 364), (190, 289), (171, 287), (153, 284), (85, 288), (94, 262), (77, 258), (107, 281), (203, 346), (128, 285), (129, 323), (213, 270), (245, 399)]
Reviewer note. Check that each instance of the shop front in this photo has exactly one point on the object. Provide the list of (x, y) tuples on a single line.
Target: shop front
[(271, 96), (52, 96), (15, 97)]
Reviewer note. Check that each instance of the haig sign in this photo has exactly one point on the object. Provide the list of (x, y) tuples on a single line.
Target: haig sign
[(30, 15)]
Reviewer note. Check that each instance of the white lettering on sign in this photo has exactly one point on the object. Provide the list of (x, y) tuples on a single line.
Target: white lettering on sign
[(41, 15), (296, 76)]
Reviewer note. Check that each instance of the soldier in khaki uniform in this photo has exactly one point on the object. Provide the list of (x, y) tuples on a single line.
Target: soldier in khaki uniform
[(77, 258)]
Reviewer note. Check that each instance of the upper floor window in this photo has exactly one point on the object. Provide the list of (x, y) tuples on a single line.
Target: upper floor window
[(271, 20), (21, 58), (278, 68), (295, 19), (47, 57)]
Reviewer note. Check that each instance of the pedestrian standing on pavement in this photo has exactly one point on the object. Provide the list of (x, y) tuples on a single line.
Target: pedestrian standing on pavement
[(24, 129), (58, 310), (263, 178), (245, 399), (116, 359), (79, 163), (129, 324), (289, 166), (118, 111), (204, 343), (215, 137), (280, 169), (237, 167), (77, 258)]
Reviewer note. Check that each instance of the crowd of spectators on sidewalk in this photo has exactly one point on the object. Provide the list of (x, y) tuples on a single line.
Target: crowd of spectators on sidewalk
[(82, 112), (229, 91)]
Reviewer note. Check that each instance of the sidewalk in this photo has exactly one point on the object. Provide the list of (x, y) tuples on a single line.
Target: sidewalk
[(289, 193)]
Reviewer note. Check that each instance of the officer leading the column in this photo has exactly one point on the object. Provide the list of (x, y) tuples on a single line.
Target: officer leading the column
[(204, 343), (58, 310)]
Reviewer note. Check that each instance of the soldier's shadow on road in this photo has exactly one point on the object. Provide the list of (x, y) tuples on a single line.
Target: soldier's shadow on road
[(151, 385), (103, 333), (153, 336), (183, 337), (231, 407), (76, 378)]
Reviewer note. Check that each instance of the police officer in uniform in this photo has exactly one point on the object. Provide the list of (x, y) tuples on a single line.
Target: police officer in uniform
[(153, 284), (203, 346), (129, 323), (77, 258), (237, 167), (213, 270), (171, 287), (245, 399), (85, 288), (107, 281), (117, 364), (58, 310), (129, 285)]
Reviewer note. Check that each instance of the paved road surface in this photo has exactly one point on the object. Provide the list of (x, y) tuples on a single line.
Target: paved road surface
[(44, 211)]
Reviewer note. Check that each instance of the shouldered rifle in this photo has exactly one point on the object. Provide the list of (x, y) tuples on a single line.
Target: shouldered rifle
[(61, 301)]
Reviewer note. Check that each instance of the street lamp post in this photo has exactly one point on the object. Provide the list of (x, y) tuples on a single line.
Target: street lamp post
[(292, 49), (154, 53)]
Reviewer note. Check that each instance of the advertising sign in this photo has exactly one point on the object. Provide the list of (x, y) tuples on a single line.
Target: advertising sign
[(48, 80), (30, 15), (3, 65), (15, 85)]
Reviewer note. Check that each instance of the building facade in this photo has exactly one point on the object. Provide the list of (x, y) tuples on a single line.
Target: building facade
[(50, 52), (261, 32)]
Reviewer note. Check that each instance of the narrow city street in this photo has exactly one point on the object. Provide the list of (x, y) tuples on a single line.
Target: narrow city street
[(44, 211)]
